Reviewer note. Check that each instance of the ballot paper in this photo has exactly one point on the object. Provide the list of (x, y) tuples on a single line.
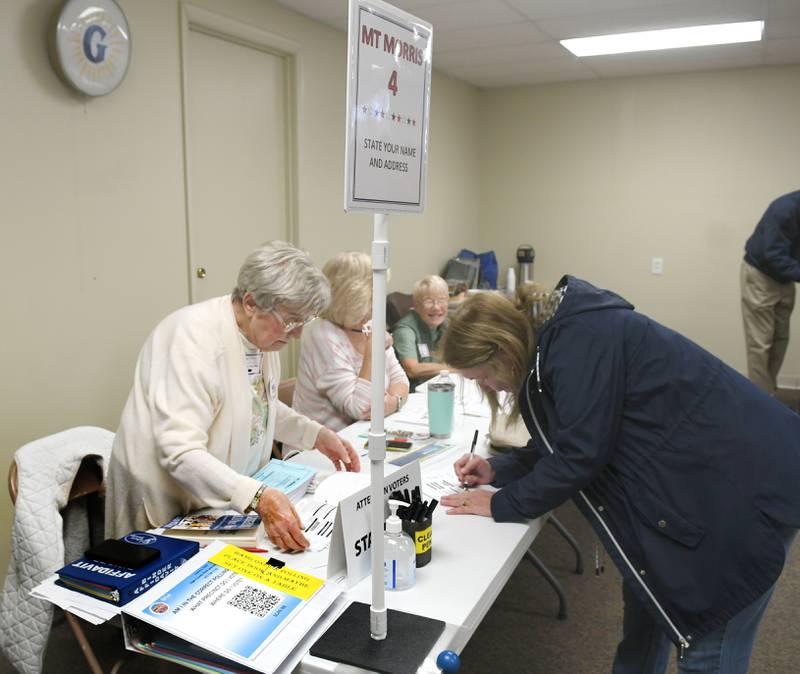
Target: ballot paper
[(439, 477), (318, 518)]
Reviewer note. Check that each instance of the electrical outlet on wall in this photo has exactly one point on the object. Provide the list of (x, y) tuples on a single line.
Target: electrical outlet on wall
[(657, 266)]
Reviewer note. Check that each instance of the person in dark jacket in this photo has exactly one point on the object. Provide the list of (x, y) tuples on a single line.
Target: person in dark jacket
[(770, 268), (687, 471)]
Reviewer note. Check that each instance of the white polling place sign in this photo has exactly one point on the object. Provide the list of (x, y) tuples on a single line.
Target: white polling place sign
[(388, 99), (351, 541)]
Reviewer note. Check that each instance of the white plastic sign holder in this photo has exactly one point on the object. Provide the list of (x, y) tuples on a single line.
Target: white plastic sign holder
[(386, 157)]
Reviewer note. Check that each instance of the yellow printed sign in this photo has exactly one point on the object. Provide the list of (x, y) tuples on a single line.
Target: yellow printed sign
[(250, 565), (423, 539)]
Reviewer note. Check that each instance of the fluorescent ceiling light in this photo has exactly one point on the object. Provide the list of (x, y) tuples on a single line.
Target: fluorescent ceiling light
[(670, 38)]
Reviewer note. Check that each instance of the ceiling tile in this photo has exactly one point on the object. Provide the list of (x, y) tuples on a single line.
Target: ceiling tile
[(783, 8), (318, 9), (411, 5), (780, 28), (490, 36), (501, 70), (468, 14), (546, 9), (511, 42), (782, 51), (526, 52)]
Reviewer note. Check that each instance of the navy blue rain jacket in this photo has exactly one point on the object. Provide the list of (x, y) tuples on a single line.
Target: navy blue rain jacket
[(774, 246), (681, 465)]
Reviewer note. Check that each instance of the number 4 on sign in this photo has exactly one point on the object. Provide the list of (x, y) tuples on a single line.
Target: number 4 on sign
[(393, 83)]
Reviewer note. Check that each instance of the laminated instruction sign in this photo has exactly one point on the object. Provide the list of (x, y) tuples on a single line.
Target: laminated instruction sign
[(388, 96), (351, 542)]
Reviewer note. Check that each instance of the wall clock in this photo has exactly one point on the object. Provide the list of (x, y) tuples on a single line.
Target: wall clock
[(93, 45)]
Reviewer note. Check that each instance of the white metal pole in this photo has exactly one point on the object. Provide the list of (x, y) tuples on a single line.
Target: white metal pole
[(377, 434)]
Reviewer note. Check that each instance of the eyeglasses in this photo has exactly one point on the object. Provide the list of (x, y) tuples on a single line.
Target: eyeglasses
[(434, 302), (291, 326)]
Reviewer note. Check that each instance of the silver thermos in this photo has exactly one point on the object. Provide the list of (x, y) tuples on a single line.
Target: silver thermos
[(525, 255)]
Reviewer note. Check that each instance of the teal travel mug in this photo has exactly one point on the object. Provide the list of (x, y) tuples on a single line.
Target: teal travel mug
[(441, 401)]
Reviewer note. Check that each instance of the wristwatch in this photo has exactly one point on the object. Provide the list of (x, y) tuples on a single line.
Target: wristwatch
[(254, 502)]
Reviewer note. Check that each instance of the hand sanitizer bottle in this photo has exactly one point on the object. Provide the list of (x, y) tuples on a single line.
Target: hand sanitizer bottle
[(400, 557)]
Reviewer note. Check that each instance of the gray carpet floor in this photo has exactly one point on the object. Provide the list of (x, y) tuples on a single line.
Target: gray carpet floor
[(521, 633)]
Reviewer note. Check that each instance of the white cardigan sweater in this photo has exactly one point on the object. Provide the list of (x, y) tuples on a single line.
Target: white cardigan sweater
[(184, 437)]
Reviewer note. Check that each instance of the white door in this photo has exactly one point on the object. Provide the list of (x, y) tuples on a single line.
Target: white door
[(238, 157)]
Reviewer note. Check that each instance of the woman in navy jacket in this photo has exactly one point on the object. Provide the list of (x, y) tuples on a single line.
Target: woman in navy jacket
[(688, 472)]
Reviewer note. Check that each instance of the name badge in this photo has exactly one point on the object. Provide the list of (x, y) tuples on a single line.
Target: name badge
[(252, 362), (273, 388), (424, 351)]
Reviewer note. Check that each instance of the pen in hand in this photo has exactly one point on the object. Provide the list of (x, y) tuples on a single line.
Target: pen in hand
[(464, 485)]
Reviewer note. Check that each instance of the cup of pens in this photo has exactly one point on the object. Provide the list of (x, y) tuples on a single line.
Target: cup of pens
[(417, 519), (421, 532)]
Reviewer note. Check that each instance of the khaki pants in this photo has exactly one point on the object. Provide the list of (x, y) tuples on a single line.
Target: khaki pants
[(766, 308)]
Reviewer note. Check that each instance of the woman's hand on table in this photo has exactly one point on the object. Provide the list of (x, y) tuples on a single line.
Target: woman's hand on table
[(281, 521), (471, 471), (339, 451), (469, 502)]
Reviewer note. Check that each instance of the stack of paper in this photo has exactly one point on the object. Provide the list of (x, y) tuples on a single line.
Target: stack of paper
[(205, 526), (86, 607), (292, 479)]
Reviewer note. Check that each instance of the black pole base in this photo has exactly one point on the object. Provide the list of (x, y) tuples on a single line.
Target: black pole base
[(408, 641)]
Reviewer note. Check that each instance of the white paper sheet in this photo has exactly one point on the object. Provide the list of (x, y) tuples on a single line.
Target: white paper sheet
[(90, 609)]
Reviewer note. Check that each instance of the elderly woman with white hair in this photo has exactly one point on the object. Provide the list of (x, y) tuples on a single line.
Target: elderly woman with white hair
[(203, 411), (417, 334), (333, 377)]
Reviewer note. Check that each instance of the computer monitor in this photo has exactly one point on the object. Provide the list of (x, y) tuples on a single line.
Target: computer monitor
[(461, 270)]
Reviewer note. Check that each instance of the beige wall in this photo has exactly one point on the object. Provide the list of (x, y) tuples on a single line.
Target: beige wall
[(602, 176), (93, 250)]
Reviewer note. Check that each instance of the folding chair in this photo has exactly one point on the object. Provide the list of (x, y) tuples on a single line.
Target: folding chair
[(397, 305), (88, 484)]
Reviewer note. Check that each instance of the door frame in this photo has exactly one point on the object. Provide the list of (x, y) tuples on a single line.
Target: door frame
[(212, 24), (201, 20)]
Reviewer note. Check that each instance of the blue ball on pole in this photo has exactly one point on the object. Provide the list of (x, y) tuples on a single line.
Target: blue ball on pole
[(448, 662)]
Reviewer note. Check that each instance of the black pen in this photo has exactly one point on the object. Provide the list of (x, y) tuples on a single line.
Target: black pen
[(429, 511), (472, 452)]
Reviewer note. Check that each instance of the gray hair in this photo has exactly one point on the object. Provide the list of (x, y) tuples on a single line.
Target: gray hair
[(429, 285), (278, 274)]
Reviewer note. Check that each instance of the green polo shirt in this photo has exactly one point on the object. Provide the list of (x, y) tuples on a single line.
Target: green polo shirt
[(414, 339)]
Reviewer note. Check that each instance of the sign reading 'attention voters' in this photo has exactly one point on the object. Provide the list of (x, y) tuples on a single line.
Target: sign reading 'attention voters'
[(388, 94)]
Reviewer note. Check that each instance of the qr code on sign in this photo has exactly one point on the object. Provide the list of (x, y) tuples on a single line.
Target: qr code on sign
[(254, 601)]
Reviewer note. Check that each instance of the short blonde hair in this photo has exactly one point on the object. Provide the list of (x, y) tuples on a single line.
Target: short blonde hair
[(350, 276), (488, 329), (429, 285)]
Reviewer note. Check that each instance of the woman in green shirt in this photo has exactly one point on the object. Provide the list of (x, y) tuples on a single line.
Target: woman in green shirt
[(417, 335)]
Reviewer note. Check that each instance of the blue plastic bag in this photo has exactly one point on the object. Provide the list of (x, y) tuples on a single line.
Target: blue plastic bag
[(488, 263)]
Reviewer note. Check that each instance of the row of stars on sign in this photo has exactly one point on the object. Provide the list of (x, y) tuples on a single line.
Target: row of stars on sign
[(383, 115)]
